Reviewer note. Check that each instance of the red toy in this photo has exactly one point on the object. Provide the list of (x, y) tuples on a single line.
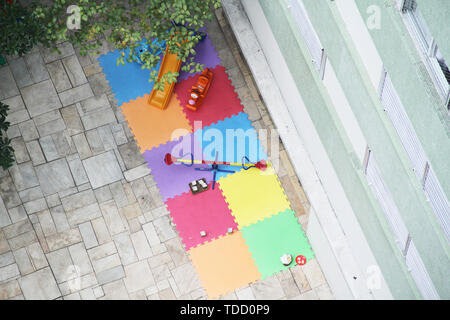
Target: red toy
[(199, 91), (301, 260)]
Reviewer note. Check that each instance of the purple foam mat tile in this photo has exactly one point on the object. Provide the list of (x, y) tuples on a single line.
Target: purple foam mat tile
[(205, 54), (174, 180)]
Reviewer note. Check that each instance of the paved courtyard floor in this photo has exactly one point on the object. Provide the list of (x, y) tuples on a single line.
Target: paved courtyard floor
[(80, 214)]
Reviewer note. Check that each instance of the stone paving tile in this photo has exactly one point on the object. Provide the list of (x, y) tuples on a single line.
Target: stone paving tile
[(83, 214), (24, 176), (9, 272), (20, 72), (28, 130), (102, 169), (51, 127), (99, 84), (53, 200), (63, 143), (35, 205), (8, 87), (59, 76), (31, 194), (88, 235), (54, 176), (112, 218), (8, 192), (60, 263), (37, 67), (76, 94), (49, 148), (40, 285), (23, 261), (98, 118), (119, 134), (110, 275), (107, 137), (82, 282), (20, 151), (9, 290), (101, 230), (63, 239), (5, 219), (60, 219), (131, 155), (6, 259), (40, 98), (138, 276), (125, 248), (37, 256), (80, 258), (4, 246), (115, 291), (17, 112), (74, 70), (82, 145), (46, 222), (13, 131), (65, 49), (22, 240), (87, 294), (72, 120), (313, 273), (17, 214), (95, 142), (35, 152)]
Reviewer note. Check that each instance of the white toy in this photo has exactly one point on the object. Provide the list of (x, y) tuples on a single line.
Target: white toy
[(203, 184), (203, 233), (286, 259)]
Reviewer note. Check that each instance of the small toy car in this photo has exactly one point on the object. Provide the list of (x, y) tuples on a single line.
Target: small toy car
[(199, 91)]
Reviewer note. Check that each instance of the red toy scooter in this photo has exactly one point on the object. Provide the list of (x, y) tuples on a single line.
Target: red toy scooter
[(199, 91)]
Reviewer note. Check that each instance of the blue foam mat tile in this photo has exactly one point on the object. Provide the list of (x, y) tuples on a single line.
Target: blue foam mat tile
[(128, 81), (232, 138)]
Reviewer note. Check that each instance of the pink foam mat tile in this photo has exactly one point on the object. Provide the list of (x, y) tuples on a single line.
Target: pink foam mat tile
[(220, 102), (206, 211)]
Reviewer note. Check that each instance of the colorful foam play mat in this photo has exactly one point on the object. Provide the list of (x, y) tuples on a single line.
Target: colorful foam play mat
[(236, 232)]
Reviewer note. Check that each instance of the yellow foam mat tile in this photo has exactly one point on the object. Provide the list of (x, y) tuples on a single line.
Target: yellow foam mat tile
[(224, 264), (253, 195)]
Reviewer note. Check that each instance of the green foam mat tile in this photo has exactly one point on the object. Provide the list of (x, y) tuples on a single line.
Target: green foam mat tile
[(270, 238)]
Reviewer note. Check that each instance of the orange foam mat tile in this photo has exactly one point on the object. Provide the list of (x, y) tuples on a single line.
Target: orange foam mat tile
[(152, 126), (224, 264)]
